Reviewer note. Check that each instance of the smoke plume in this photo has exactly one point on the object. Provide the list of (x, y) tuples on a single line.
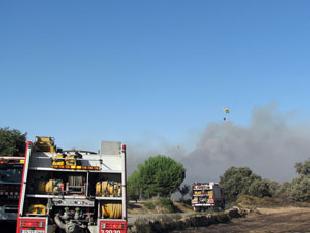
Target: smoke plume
[(270, 146)]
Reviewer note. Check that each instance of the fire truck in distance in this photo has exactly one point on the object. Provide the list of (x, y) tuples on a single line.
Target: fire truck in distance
[(207, 196), (10, 176), (73, 191)]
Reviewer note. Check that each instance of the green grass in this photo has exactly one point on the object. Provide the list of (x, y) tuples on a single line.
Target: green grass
[(149, 205), (161, 205), (167, 204)]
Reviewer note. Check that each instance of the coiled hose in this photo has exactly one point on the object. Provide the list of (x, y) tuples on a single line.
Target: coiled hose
[(108, 189), (111, 210)]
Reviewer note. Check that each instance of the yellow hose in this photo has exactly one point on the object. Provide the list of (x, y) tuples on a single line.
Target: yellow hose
[(104, 185), (98, 189), (42, 186), (49, 186), (108, 189), (111, 210)]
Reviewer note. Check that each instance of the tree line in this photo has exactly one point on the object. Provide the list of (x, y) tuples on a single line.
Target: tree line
[(161, 176), (238, 181)]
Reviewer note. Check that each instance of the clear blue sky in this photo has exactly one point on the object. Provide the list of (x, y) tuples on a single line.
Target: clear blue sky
[(87, 70)]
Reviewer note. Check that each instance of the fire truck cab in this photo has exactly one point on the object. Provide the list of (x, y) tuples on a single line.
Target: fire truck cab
[(73, 191)]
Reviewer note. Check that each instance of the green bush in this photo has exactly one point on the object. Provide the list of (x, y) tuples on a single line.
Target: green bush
[(300, 188), (167, 204), (238, 181), (162, 205), (134, 187), (150, 205), (260, 188)]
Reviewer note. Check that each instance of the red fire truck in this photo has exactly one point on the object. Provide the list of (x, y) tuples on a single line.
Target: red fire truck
[(10, 177), (207, 196), (73, 191)]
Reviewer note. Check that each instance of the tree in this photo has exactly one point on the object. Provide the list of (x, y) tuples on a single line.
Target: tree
[(158, 176), (299, 189), (236, 181), (134, 186), (303, 168), (261, 188), (283, 190), (12, 142)]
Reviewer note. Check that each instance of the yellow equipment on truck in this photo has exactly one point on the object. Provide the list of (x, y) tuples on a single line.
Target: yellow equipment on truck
[(61, 193), (45, 144)]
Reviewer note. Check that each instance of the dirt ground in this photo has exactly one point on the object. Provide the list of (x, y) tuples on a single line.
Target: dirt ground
[(267, 220)]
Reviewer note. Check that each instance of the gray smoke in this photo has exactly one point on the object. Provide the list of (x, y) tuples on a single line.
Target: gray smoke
[(270, 146)]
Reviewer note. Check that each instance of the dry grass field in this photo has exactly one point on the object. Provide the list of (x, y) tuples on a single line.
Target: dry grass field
[(265, 220)]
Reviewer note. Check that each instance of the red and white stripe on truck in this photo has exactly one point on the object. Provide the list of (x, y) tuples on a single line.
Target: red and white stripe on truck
[(109, 226), (32, 225)]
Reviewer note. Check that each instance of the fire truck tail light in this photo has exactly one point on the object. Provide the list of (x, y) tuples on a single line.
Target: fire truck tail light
[(32, 224), (113, 225)]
